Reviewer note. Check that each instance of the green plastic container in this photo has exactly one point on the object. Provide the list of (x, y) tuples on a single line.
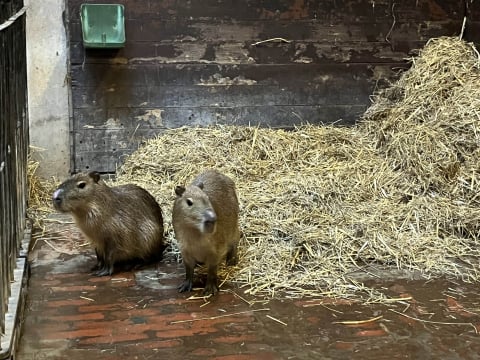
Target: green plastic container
[(103, 25)]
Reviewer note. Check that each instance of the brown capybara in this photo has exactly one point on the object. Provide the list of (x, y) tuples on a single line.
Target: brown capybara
[(123, 223), (205, 222)]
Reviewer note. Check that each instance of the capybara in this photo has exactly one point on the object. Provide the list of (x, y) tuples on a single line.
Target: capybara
[(205, 222), (123, 223)]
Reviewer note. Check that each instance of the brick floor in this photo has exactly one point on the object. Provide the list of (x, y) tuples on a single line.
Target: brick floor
[(140, 315)]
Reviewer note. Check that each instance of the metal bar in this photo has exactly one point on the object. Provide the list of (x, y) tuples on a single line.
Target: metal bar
[(13, 148)]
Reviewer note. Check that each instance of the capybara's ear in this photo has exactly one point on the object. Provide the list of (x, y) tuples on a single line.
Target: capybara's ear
[(200, 185), (179, 190), (94, 175)]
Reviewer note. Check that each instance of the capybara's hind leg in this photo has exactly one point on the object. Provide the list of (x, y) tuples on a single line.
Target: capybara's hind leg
[(106, 266)]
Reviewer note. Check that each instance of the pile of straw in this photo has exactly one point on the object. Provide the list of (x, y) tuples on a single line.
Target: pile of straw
[(39, 191), (320, 206), (425, 124)]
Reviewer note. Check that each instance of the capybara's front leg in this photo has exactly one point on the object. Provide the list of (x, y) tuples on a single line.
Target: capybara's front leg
[(106, 264), (187, 285), (211, 287), (100, 262)]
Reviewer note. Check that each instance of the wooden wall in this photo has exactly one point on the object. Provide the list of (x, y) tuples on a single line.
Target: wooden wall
[(199, 62)]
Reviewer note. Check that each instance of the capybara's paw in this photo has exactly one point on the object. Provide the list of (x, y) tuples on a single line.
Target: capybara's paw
[(211, 288), (187, 285), (103, 271), (98, 266)]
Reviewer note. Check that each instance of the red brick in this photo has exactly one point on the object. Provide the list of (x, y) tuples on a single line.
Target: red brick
[(114, 339), (200, 327), (223, 320), (83, 325), (120, 280), (178, 316), (154, 321), (161, 344), (136, 312), (371, 333), (74, 288), (203, 352), (313, 320), (122, 284), (259, 356), (179, 333), (127, 326), (99, 279), (343, 345), (129, 275), (70, 302), (99, 331), (90, 316), (92, 307), (234, 339), (59, 276)]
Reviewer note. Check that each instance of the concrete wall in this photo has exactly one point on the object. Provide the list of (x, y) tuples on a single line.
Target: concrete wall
[(48, 86)]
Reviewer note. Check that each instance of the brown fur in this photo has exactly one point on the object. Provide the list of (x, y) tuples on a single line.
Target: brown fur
[(205, 221), (123, 223)]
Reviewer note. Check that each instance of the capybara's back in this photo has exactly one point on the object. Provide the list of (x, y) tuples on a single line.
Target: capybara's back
[(123, 223), (205, 221)]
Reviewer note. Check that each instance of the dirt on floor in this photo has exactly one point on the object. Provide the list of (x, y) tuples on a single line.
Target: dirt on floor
[(140, 315)]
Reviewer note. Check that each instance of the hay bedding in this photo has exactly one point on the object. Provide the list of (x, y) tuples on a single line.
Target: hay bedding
[(321, 205)]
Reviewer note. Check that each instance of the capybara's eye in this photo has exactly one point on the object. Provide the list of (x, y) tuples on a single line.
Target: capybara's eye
[(189, 202), (81, 184)]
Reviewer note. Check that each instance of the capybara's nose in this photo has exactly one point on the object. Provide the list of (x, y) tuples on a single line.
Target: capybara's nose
[(57, 197), (209, 220), (209, 216)]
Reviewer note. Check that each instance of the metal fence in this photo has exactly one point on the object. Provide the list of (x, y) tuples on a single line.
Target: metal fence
[(13, 143)]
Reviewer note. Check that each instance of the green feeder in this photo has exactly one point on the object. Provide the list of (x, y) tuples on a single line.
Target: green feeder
[(103, 25)]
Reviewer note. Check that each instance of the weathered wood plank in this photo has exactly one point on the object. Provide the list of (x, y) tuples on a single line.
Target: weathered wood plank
[(472, 32), (321, 10), (283, 75), (239, 53), (284, 116), (305, 31), (101, 161), (224, 96)]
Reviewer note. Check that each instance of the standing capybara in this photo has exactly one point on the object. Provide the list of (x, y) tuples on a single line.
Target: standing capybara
[(123, 223), (205, 221)]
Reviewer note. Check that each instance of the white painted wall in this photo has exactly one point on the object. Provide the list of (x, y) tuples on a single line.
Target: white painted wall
[(48, 88)]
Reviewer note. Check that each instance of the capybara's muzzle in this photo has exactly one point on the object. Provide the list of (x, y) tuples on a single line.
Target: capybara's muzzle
[(209, 221), (57, 198)]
